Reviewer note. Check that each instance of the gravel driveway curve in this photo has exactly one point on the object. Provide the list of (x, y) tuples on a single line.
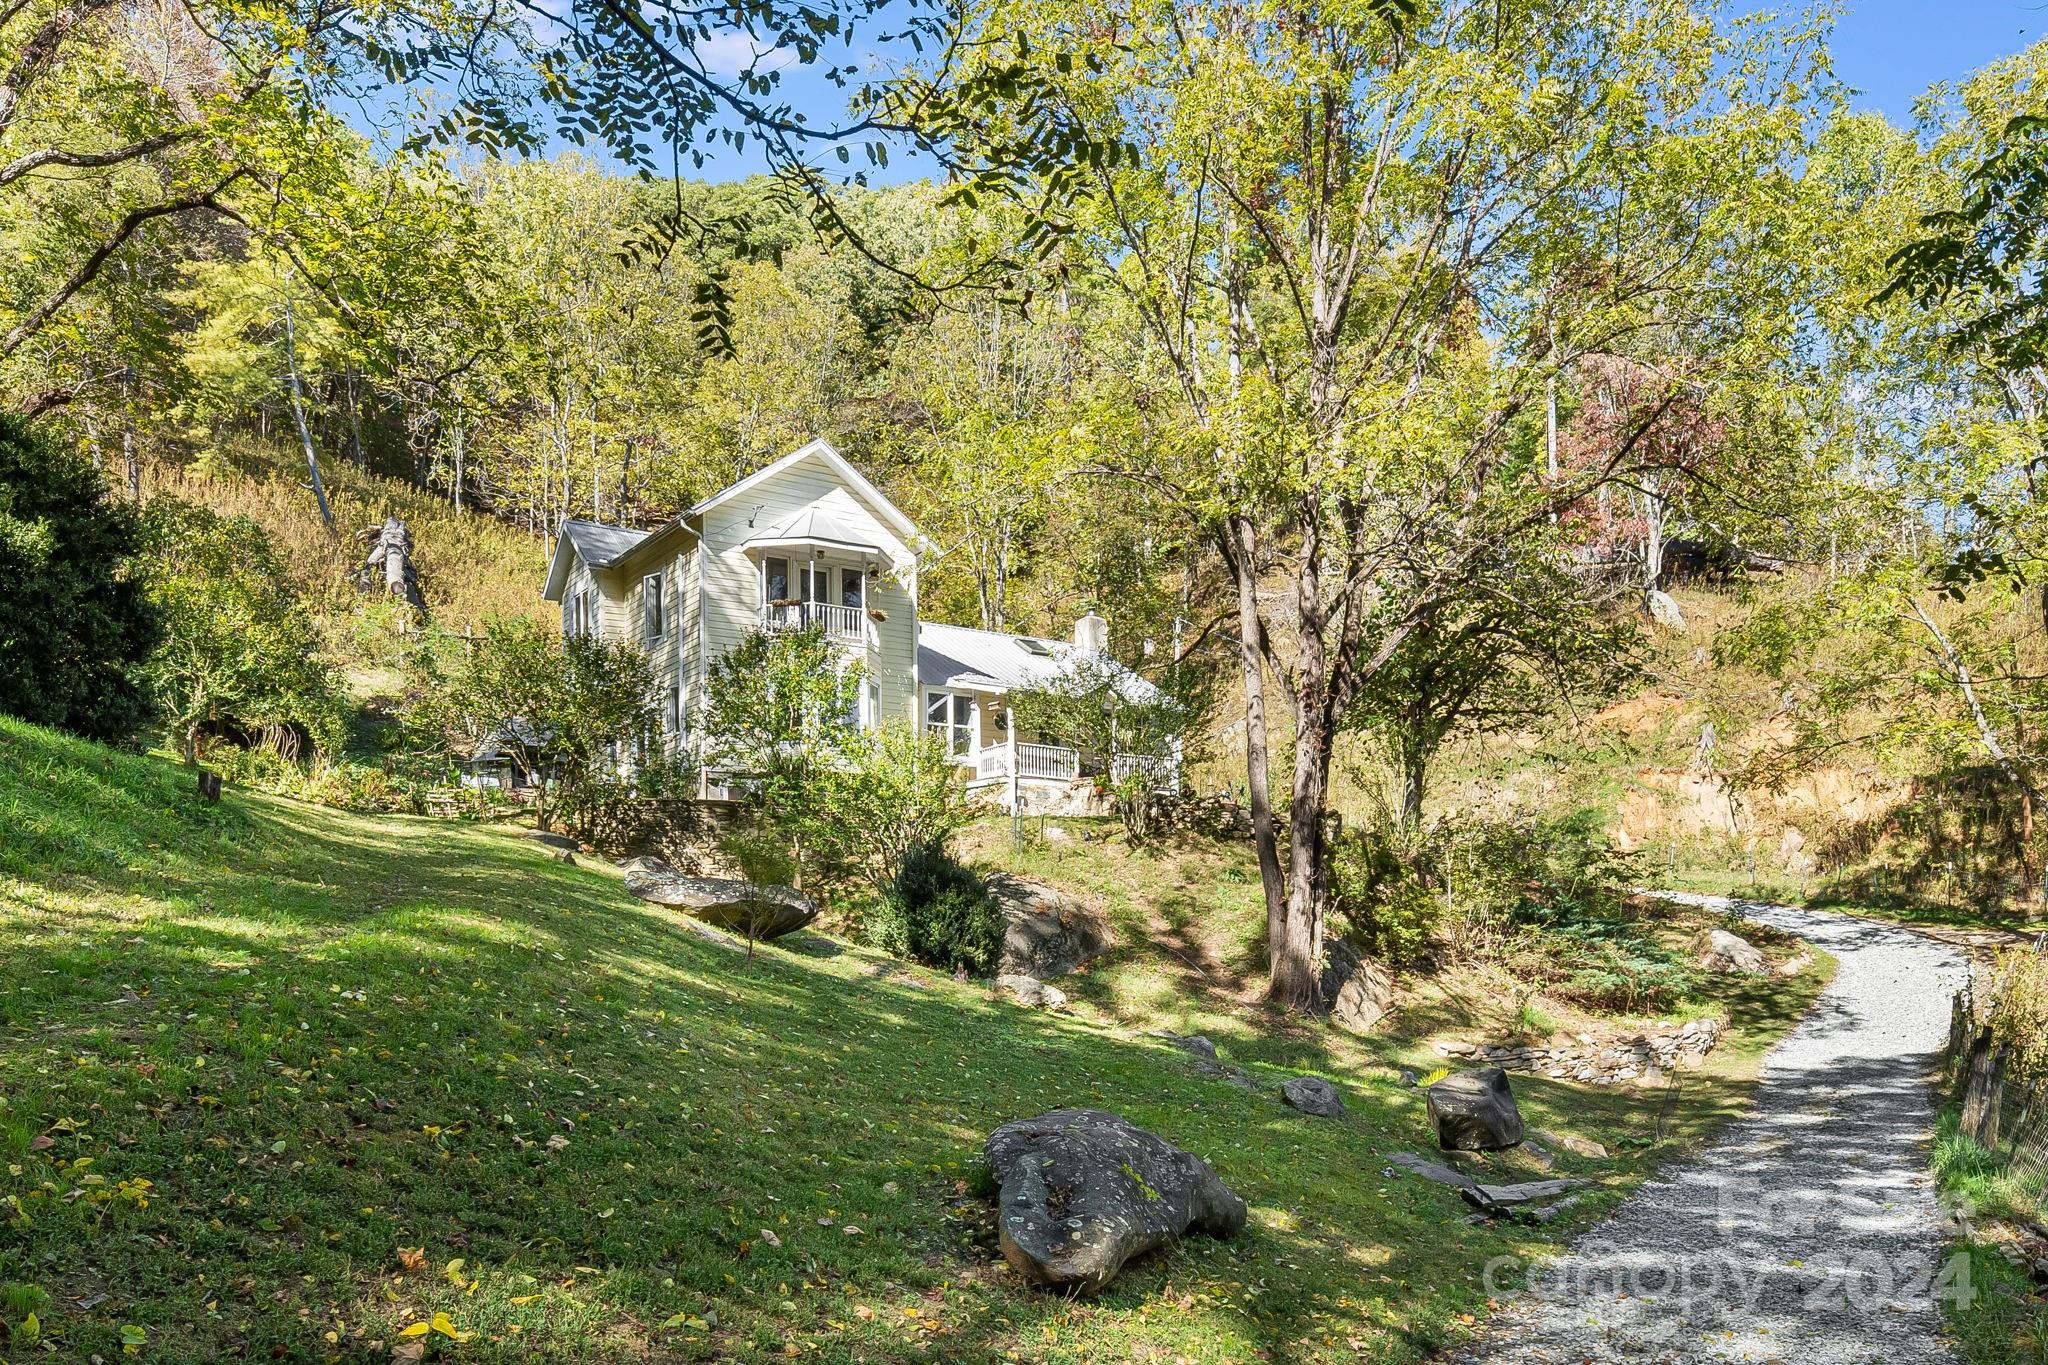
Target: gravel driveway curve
[(1809, 1234)]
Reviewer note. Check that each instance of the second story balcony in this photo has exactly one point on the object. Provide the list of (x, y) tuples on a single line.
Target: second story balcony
[(844, 624)]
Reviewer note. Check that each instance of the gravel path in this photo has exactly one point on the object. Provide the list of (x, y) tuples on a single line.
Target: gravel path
[(1809, 1233)]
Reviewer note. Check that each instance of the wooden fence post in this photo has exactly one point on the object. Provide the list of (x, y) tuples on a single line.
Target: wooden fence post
[(1976, 1087)]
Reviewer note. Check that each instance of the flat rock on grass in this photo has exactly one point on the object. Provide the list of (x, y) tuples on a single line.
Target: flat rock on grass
[(1488, 1199), (1083, 1191), (764, 911), (1029, 990)]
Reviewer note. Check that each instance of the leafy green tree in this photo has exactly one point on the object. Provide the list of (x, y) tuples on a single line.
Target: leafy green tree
[(890, 791), (72, 648), (1528, 642), (1925, 415), (1104, 709), (241, 656), (569, 711), (780, 711), (1352, 256)]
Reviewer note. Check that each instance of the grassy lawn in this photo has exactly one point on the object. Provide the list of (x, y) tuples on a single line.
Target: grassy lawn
[(2004, 1321), (278, 1082)]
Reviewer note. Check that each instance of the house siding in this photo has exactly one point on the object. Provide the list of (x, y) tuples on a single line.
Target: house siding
[(731, 596), (665, 654), (612, 608)]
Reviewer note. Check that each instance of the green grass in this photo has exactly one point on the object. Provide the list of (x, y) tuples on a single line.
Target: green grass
[(378, 1069), (2002, 1321)]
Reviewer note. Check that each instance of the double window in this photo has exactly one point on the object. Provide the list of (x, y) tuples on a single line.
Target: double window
[(950, 716), (579, 614)]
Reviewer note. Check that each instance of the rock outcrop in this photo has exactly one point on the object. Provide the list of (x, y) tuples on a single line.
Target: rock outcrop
[(1046, 933), (1083, 1191), (1359, 990), (1721, 951), (757, 911), (1597, 1064)]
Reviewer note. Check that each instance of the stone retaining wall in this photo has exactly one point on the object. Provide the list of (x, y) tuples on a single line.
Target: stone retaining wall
[(1640, 1056)]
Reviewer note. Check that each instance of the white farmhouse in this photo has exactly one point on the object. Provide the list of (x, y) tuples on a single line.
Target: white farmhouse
[(810, 541)]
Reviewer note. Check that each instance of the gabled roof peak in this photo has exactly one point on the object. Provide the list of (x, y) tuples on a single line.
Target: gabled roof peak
[(822, 451)]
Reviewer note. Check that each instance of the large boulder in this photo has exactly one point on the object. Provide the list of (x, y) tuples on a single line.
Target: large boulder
[(1046, 933), (1083, 1192), (1474, 1111), (758, 911), (1314, 1096), (1663, 609), (1359, 991), (1721, 951)]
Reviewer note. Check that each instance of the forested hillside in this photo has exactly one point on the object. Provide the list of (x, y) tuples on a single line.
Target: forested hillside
[(1531, 457)]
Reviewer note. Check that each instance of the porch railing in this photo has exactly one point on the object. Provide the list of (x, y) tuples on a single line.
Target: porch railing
[(1158, 770), (839, 623), (1047, 762)]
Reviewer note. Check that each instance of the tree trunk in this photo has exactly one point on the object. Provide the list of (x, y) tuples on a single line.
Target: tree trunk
[(131, 459), (355, 419), (457, 491), (1258, 780), (1414, 767), (1297, 964), (291, 361)]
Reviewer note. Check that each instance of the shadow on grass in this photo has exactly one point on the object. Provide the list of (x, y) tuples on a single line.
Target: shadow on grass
[(327, 1037)]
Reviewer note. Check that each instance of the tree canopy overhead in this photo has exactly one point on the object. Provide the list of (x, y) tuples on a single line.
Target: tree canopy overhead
[(1353, 255)]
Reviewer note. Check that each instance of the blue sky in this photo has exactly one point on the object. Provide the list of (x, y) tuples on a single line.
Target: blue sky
[(1889, 50), (1894, 49)]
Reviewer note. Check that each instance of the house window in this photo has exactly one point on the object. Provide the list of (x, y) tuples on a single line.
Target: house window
[(950, 716), (852, 719), (672, 711), (852, 588), (817, 583), (652, 605), (775, 580)]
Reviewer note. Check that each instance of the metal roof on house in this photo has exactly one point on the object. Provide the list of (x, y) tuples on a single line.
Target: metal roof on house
[(598, 544), (990, 661), (812, 525)]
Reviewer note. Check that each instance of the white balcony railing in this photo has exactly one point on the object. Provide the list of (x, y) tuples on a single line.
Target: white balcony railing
[(1046, 762), (839, 623)]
